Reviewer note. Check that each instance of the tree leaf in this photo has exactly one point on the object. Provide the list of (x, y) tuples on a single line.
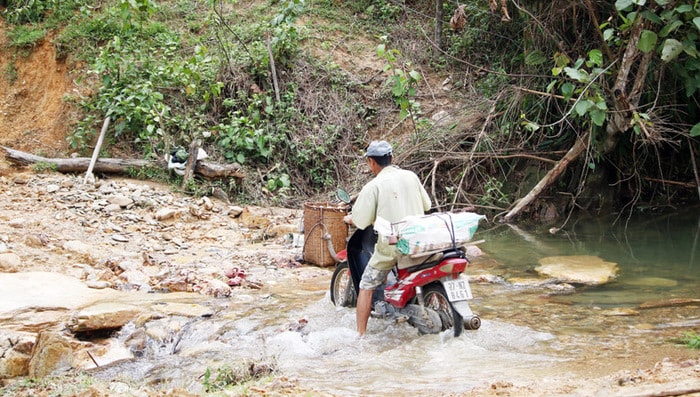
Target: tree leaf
[(567, 89), (672, 48), (596, 57), (550, 86), (535, 58), (381, 49), (695, 131), (622, 4), (598, 117), (608, 34), (648, 41), (696, 21), (671, 27), (576, 74), (582, 107), (652, 17)]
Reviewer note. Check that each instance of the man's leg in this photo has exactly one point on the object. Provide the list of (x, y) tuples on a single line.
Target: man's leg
[(363, 309), (371, 279)]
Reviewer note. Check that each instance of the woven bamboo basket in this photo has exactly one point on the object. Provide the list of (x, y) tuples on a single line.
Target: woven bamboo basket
[(325, 233)]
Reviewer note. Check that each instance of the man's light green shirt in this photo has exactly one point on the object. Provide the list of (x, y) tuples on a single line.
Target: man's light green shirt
[(393, 195)]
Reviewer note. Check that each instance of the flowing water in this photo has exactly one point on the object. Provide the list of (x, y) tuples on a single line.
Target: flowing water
[(527, 334)]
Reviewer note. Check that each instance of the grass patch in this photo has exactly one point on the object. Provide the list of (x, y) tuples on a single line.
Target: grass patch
[(25, 36), (237, 377), (692, 340)]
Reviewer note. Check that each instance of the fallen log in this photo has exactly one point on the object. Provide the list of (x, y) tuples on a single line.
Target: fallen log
[(119, 166)]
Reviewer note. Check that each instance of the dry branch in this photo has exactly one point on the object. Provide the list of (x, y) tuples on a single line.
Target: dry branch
[(119, 166), (551, 176), (96, 152)]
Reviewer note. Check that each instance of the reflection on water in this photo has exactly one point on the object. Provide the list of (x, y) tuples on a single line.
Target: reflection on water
[(525, 333), (658, 256)]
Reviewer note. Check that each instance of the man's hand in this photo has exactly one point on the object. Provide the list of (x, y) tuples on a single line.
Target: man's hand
[(348, 219)]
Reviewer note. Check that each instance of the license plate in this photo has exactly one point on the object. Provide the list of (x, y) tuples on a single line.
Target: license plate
[(457, 289)]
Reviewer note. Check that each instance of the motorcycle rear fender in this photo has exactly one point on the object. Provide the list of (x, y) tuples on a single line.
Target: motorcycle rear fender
[(463, 309)]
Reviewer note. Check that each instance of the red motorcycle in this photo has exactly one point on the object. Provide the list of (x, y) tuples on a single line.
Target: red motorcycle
[(427, 290)]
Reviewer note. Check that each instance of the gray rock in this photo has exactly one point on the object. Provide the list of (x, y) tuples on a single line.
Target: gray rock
[(121, 201)]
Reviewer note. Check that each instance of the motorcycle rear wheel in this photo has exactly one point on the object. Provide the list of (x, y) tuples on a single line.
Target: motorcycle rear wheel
[(342, 289), (435, 298)]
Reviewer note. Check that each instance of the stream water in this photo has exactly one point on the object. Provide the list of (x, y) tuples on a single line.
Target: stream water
[(527, 334)]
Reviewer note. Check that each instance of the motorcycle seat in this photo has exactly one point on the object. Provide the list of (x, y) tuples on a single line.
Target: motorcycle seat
[(415, 263), (406, 261)]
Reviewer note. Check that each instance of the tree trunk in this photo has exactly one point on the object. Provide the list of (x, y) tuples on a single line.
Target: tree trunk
[(439, 13), (120, 166), (626, 102)]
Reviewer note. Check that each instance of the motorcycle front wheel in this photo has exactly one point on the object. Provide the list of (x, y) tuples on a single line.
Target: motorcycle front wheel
[(342, 288), (435, 298)]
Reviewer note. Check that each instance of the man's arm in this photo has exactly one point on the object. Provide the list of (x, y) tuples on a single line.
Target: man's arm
[(364, 211)]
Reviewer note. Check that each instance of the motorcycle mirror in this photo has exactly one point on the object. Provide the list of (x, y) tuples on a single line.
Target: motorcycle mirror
[(343, 196)]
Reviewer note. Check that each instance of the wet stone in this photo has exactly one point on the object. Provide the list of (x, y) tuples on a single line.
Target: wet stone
[(581, 269)]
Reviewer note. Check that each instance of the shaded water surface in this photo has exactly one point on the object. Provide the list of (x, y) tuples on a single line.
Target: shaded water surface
[(528, 334)]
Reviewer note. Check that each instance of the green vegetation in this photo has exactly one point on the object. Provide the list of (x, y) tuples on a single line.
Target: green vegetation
[(25, 36), (692, 340), (42, 167), (293, 90), (49, 386), (11, 71), (236, 377)]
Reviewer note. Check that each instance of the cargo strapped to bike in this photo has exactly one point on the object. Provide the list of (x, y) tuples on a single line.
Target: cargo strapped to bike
[(434, 232)]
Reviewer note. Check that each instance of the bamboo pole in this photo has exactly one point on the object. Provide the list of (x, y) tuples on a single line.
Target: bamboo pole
[(96, 152), (272, 68)]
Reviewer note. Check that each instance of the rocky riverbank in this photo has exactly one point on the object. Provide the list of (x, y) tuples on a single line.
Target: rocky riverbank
[(78, 262)]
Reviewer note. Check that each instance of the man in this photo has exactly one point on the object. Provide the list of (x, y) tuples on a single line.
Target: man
[(393, 194)]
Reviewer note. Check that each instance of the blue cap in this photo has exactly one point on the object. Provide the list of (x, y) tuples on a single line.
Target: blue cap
[(378, 149)]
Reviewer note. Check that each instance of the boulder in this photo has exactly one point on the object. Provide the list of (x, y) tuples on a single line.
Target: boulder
[(10, 262), (255, 217), (105, 315), (17, 350), (53, 352), (582, 269)]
